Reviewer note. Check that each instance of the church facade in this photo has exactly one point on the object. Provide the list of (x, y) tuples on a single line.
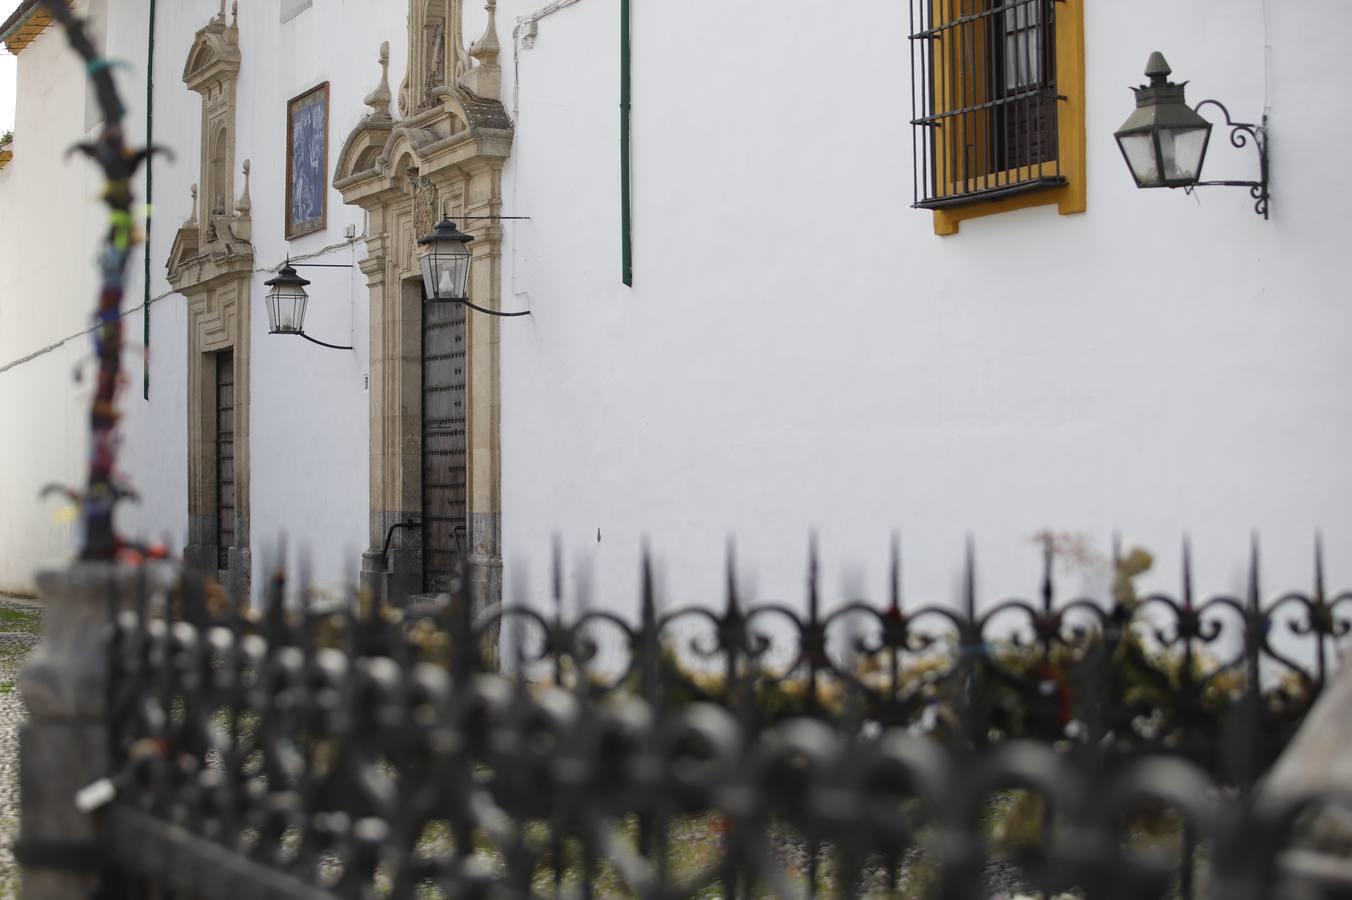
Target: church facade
[(788, 271)]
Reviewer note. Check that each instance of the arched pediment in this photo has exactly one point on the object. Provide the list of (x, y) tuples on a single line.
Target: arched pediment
[(363, 150), (463, 125), (213, 57), (451, 114)]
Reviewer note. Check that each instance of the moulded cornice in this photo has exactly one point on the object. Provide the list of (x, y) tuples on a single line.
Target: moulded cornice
[(463, 127), (383, 179), (197, 274)]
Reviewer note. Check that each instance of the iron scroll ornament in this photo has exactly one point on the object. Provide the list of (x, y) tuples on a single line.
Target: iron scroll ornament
[(1241, 133)]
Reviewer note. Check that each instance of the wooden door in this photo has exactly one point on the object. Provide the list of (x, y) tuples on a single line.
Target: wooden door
[(444, 492), (225, 457)]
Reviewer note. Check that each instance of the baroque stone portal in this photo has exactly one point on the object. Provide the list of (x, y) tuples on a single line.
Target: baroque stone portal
[(211, 265), (443, 155)]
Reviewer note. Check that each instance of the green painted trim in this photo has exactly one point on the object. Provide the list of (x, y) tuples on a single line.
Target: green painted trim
[(626, 149), (150, 193)]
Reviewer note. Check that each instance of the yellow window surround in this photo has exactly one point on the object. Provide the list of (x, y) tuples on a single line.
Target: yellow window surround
[(962, 145)]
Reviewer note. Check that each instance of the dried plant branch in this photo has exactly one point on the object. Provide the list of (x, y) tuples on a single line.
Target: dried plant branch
[(120, 164)]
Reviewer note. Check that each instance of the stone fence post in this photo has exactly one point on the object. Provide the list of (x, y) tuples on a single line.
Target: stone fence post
[(64, 745)]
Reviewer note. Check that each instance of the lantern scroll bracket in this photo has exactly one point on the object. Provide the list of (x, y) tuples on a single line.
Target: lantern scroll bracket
[(1241, 134)]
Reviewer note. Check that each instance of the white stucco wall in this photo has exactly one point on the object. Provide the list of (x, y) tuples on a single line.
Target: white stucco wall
[(309, 413), (309, 416), (50, 224), (800, 351)]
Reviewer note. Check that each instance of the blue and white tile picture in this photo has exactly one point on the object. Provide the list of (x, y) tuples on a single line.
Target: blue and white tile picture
[(307, 158)]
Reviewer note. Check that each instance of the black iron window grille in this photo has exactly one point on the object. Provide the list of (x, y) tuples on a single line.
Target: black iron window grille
[(984, 99)]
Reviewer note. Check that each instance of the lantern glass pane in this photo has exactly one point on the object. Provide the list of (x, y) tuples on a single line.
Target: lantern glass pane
[(1139, 149), (286, 309), (445, 269), (429, 275), (1182, 150)]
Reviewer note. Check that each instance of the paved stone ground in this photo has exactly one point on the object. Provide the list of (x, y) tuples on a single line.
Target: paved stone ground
[(20, 624)]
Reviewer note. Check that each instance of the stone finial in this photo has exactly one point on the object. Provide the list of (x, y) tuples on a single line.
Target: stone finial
[(242, 227), (192, 216), (487, 48), (485, 79), (245, 204), (220, 15), (379, 99), (234, 14)]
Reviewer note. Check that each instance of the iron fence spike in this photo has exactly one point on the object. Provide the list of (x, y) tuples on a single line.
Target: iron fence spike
[(1187, 571), (556, 574), (733, 601), (969, 578), (1319, 566), (813, 578), (1255, 591), (1048, 588), (894, 573)]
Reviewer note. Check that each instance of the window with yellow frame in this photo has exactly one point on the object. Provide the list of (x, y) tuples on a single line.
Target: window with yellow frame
[(998, 106)]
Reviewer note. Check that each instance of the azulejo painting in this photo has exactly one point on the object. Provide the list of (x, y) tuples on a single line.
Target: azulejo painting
[(307, 162)]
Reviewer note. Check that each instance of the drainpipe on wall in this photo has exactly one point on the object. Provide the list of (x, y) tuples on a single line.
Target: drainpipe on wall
[(150, 185), (626, 182), (524, 35)]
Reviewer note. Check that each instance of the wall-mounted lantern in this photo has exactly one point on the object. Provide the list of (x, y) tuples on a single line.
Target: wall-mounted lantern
[(286, 306), (1165, 141), (445, 265)]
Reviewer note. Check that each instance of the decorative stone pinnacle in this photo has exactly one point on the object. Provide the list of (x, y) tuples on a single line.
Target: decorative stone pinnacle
[(245, 204), (487, 48), (485, 79), (234, 14), (220, 15), (379, 99), (192, 216)]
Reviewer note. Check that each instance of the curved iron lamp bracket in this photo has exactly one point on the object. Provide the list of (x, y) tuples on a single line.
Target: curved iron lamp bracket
[(477, 308), (1241, 133), (315, 340)]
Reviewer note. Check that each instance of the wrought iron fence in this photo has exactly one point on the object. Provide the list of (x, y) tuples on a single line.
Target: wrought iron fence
[(361, 752)]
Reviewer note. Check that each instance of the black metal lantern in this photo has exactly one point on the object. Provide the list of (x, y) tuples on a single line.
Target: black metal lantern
[(1164, 141), (286, 302), (286, 305), (445, 263)]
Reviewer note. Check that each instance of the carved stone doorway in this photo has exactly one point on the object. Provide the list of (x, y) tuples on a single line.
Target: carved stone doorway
[(444, 154)]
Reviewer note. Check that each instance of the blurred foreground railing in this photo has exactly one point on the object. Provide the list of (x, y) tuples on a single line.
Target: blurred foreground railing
[(299, 751)]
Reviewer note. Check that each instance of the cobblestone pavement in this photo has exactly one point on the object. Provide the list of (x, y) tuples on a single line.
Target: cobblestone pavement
[(20, 624)]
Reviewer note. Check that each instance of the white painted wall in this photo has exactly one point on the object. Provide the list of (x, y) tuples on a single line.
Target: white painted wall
[(800, 351), (50, 223), (309, 404), (309, 414)]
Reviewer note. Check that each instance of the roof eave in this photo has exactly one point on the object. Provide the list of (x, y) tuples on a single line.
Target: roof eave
[(24, 25)]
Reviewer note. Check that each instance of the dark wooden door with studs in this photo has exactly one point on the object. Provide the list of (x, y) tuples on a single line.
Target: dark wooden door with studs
[(443, 442)]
